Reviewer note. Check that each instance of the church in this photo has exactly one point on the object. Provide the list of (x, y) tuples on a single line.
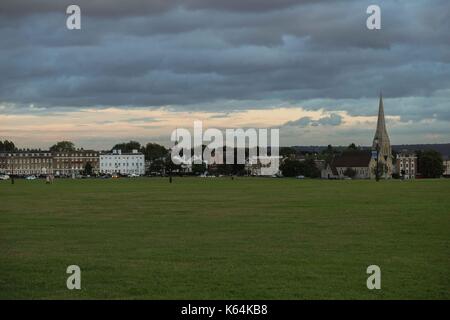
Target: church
[(365, 164), (381, 148)]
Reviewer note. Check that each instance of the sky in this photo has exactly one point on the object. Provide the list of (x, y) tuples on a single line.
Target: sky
[(139, 69)]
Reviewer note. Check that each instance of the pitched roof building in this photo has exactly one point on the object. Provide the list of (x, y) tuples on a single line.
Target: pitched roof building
[(362, 164), (356, 160)]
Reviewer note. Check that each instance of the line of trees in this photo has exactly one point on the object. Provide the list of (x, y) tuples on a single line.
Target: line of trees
[(7, 146), (294, 168)]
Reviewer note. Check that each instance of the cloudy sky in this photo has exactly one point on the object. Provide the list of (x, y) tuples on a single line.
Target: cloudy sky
[(139, 69)]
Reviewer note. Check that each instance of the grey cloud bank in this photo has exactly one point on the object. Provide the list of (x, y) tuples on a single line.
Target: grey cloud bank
[(228, 55)]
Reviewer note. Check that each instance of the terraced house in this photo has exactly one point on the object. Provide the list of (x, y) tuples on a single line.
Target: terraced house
[(46, 162), (122, 162), (74, 162), (26, 163)]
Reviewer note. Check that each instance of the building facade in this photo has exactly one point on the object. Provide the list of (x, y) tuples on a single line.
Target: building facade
[(263, 165), (447, 167), (26, 163), (117, 162), (69, 163), (350, 164), (406, 165)]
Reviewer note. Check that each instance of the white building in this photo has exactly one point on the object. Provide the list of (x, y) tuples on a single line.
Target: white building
[(122, 163), (263, 165), (406, 165), (447, 167)]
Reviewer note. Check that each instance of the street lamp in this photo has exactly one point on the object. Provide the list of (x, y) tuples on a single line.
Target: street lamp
[(377, 174)]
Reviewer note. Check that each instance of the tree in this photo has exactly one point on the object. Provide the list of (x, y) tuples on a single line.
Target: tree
[(382, 170), (88, 169), (352, 146), (154, 151), (157, 166), (290, 168), (309, 168), (7, 146), (169, 166), (63, 146), (350, 172), (287, 152), (293, 168), (430, 164), (232, 168), (394, 156), (328, 154), (198, 169), (127, 146)]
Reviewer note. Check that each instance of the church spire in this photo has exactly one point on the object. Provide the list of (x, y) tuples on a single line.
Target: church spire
[(382, 144), (381, 134)]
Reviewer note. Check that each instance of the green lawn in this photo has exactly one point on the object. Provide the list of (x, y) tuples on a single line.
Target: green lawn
[(247, 238)]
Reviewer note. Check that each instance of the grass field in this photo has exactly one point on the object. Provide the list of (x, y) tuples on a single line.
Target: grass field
[(247, 238)]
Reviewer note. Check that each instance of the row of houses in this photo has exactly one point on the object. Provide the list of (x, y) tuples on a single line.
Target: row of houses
[(69, 163), (361, 164)]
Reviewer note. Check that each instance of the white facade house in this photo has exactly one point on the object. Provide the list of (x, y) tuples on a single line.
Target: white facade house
[(406, 165), (122, 163), (263, 165), (447, 167)]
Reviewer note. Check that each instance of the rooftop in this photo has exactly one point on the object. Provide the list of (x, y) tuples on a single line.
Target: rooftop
[(357, 158)]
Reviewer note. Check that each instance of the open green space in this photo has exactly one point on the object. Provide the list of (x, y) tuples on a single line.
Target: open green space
[(205, 238)]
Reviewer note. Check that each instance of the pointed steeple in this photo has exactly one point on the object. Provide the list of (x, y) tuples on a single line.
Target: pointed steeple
[(382, 144), (381, 135)]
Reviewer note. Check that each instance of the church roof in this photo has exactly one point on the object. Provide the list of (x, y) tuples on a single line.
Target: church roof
[(352, 159)]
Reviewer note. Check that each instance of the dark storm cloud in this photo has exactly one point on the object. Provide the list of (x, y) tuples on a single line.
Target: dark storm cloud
[(203, 54), (145, 7)]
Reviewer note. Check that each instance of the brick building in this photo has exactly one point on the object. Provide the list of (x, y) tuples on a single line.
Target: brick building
[(23, 163), (26, 163), (67, 163)]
